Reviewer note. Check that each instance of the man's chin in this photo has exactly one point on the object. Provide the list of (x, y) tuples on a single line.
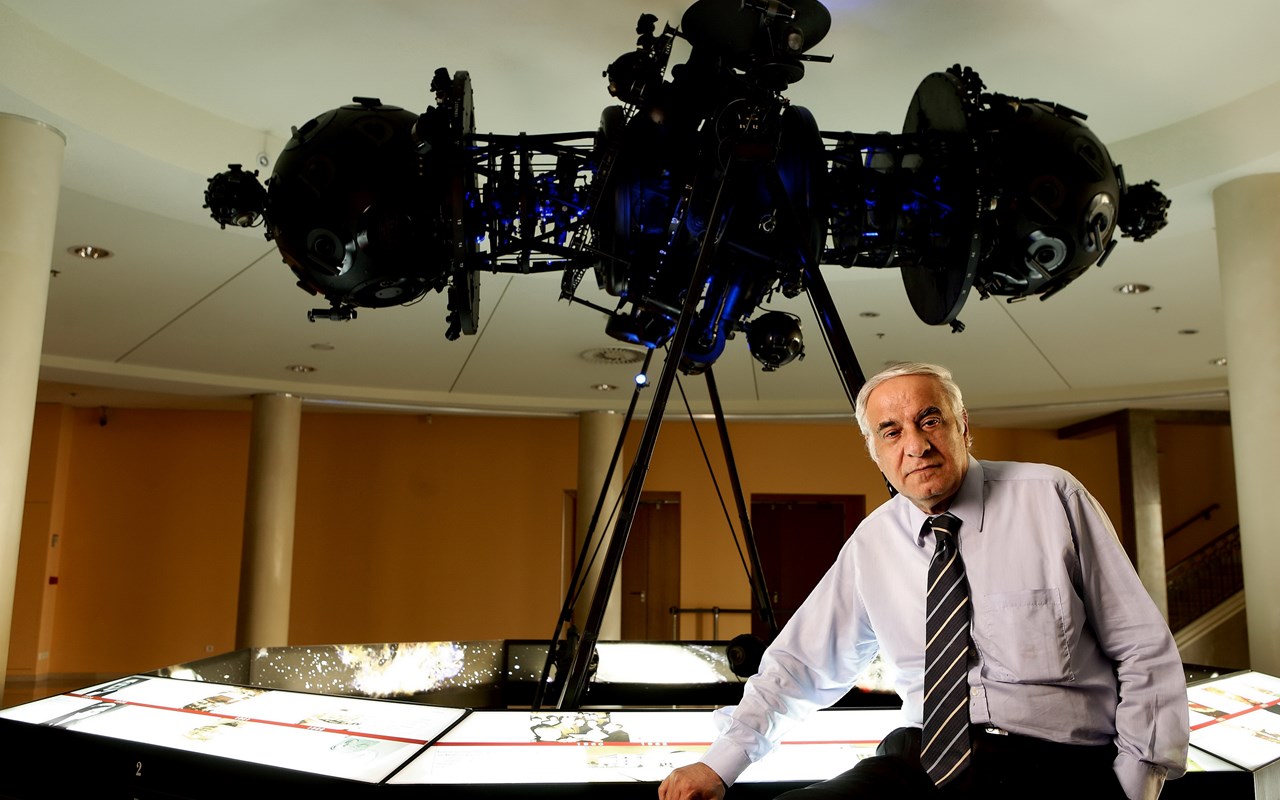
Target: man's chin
[(924, 485), (928, 492)]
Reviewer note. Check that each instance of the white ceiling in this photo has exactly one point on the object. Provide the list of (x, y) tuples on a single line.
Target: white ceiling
[(155, 96)]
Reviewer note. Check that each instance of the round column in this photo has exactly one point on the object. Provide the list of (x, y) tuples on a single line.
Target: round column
[(30, 176), (266, 562), (1246, 211), (598, 433)]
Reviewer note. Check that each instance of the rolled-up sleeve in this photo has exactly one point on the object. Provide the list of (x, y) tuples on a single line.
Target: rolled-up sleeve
[(811, 664), (1151, 717)]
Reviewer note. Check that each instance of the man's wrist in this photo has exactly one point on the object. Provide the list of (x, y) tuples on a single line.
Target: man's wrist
[(726, 761), (1141, 780)]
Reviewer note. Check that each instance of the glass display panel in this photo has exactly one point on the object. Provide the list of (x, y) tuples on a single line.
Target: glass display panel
[(344, 737), (1237, 718), (662, 662), (631, 746)]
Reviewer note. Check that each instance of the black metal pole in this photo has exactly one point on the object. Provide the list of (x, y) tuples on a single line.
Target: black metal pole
[(576, 681), (756, 578), (584, 557), (851, 376)]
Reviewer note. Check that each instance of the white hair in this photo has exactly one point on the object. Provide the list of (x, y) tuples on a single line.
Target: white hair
[(939, 373)]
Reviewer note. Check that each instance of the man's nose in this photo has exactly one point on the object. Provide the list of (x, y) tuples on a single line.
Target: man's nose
[(917, 444)]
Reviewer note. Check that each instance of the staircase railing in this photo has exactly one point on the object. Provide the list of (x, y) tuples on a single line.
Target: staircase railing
[(1204, 579), (1202, 514)]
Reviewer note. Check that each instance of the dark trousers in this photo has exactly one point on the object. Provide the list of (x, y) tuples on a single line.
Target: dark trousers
[(1001, 766)]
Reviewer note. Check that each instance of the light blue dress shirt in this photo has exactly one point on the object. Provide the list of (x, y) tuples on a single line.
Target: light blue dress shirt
[(1069, 645)]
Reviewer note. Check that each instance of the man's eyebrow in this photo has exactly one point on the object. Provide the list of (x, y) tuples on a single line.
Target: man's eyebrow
[(886, 424)]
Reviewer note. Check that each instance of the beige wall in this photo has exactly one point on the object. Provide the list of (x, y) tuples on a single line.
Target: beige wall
[(1196, 471), (150, 543), (429, 528), (43, 517), (409, 528)]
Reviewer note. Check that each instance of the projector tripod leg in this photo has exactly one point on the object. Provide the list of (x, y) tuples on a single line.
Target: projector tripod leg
[(851, 377), (575, 682), (758, 587), (585, 556)]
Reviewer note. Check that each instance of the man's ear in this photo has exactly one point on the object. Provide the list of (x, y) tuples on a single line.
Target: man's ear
[(964, 426)]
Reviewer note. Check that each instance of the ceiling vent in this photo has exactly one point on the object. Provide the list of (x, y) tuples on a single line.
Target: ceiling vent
[(614, 355)]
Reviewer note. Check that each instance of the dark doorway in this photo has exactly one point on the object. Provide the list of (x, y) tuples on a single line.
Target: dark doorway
[(798, 537), (650, 575), (651, 570)]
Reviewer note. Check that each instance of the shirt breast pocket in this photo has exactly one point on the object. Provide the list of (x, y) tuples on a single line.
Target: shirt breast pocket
[(1022, 637)]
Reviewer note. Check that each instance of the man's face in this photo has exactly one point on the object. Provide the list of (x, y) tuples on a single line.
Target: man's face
[(918, 442)]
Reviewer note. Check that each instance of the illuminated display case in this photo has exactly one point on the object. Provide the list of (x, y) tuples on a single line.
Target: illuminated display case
[(496, 673), (287, 719), (1236, 718), (148, 736)]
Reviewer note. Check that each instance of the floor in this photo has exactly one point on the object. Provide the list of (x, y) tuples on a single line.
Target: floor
[(18, 690)]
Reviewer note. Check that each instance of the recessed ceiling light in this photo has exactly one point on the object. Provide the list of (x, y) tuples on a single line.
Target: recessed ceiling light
[(1133, 288), (869, 314), (1188, 332), (325, 346), (303, 368), (90, 252), (1218, 362), (603, 387)]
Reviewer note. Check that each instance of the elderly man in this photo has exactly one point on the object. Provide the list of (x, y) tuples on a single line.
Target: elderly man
[(1030, 660)]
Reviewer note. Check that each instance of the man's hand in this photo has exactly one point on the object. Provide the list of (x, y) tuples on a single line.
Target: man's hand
[(694, 782)]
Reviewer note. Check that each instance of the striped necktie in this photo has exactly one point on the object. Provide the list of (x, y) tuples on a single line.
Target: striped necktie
[(945, 749)]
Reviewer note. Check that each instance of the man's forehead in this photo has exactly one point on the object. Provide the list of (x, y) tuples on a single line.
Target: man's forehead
[(907, 394)]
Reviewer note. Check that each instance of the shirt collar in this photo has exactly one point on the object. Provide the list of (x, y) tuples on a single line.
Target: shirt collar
[(967, 506)]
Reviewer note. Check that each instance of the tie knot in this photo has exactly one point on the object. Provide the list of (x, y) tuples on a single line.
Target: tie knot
[(945, 526), (946, 521)]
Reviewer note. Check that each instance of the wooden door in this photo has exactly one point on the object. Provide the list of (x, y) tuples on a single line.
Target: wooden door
[(651, 571), (798, 537), (650, 574)]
